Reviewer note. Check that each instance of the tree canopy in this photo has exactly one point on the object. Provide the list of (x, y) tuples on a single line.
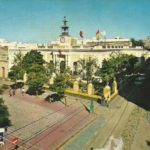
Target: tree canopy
[(36, 77), (88, 67), (60, 85), (17, 71), (117, 66), (4, 114), (32, 57), (137, 42), (147, 43)]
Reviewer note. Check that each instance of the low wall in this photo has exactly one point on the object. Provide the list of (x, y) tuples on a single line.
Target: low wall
[(112, 96), (90, 97), (83, 95)]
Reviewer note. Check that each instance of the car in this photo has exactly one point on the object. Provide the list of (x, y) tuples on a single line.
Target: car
[(53, 97)]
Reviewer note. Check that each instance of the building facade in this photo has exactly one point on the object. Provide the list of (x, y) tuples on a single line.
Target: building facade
[(4, 62), (69, 50)]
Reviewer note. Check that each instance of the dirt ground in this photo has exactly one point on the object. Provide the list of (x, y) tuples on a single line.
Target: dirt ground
[(142, 136)]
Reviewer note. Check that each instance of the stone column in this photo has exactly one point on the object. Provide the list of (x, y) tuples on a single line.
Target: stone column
[(114, 87), (51, 81), (25, 78), (90, 89), (76, 86), (106, 92)]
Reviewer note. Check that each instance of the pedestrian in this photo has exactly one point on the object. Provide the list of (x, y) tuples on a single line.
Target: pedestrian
[(16, 147), (10, 94), (14, 91), (23, 91)]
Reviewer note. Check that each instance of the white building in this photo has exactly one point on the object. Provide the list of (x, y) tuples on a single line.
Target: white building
[(72, 49)]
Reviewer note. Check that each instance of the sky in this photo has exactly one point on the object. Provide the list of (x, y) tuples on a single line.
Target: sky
[(40, 20)]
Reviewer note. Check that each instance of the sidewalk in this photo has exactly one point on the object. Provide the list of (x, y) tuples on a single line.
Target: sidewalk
[(26, 109)]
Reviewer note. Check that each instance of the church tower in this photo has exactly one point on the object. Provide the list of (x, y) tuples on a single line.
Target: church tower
[(65, 28), (65, 38)]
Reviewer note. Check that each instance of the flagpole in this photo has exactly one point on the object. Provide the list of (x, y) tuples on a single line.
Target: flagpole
[(98, 42), (81, 35), (98, 37)]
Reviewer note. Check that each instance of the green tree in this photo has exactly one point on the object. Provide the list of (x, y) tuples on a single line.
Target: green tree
[(147, 43), (82, 63), (91, 64), (60, 85), (36, 78), (137, 42), (17, 71), (117, 66), (50, 68), (33, 64), (4, 114), (68, 77), (88, 67), (62, 66), (32, 57)]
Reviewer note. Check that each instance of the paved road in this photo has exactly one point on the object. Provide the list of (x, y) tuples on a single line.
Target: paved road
[(43, 126), (98, 133)]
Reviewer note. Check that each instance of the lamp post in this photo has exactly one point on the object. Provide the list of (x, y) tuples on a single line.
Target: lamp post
[(91, 107)]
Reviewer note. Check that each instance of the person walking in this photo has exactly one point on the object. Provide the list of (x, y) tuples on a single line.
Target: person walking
[(14, 92), (23, 91), (10, 94)]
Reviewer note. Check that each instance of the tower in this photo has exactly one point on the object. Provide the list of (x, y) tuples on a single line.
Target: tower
[(65, 28), (65, 38)]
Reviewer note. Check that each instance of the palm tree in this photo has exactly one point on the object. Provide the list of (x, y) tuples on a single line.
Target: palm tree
[(18, 59), (17, 71), (82, 63), (91, 65), (88, 67)]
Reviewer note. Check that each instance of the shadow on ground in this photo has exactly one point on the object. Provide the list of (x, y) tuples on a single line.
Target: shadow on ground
[(34, 92), (138, 94), (148, 143)]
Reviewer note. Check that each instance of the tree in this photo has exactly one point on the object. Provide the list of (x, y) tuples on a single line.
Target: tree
[(68, 77), (18, 59), (137, 42), (88, 67), (32, 57), (17, 71), (62, 66), (147, 43), (117, 66), (4, 114), (50, 68), (33, 64), (60, 85), (36, 78), (82, 63)]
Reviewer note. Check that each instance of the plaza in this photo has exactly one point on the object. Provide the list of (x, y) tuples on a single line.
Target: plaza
[(74, 75)]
